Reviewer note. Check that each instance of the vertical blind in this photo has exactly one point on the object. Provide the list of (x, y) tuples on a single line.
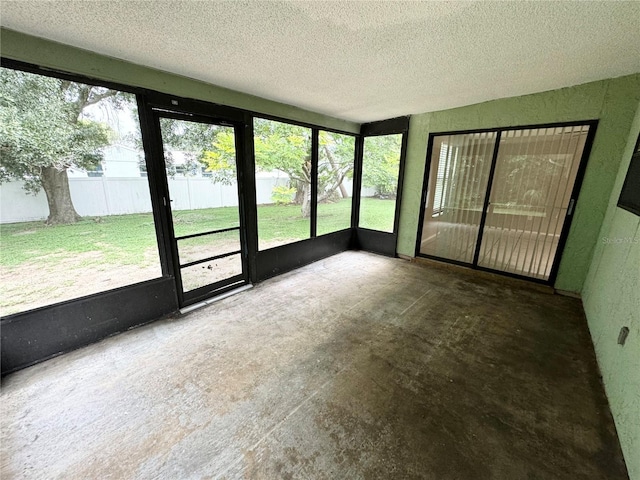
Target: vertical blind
[(459, 173)]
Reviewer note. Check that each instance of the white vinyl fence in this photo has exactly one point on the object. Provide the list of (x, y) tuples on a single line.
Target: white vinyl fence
[(102, 196)]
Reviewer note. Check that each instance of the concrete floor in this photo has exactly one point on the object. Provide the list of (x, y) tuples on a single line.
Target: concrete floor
[(358, 366)]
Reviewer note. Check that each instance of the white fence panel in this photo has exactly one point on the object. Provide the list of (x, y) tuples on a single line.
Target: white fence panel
[(195, 193), (88, 196), (126, 195), (102, 196), (16, 205), (264, 188)]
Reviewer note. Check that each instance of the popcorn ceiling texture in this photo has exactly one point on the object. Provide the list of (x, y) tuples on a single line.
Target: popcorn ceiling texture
[(358, 61)]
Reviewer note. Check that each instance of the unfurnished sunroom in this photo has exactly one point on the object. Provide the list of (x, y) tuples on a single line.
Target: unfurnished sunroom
[(398, 211)]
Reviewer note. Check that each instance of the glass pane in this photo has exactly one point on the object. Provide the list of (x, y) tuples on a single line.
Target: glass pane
[(76, 208), (335, 181), (201, 172), (205, 246), (283, 182), (380, 169), (458, 176), (535, 173), (206, 273)]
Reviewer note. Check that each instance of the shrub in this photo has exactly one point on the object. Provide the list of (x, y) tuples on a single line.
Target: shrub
[(283, 195)]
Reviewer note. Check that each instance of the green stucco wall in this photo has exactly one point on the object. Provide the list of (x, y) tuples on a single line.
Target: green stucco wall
[(611, 101), (26, 48), (611, 298)]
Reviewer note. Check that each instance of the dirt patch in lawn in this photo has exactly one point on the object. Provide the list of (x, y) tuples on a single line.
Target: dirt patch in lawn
[(59, 276), (36, 284)]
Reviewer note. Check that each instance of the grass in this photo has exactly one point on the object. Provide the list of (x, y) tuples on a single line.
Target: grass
[(41, 264), (122, 239)]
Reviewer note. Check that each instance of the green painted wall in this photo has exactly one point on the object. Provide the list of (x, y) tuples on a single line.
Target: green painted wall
[(611, 298), (611, 101), (18, 46)]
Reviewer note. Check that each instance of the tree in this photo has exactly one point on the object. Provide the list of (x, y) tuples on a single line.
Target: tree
[(381, 163), (287, 148), (43, 134), (335, 163)]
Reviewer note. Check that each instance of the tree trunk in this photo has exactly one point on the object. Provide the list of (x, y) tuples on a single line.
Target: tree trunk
[(56, 185), (343, 190), (306, 200), (299, 196)]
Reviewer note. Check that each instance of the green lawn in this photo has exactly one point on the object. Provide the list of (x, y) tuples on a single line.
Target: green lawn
[(120, 238), (123, 238), (41, 264)]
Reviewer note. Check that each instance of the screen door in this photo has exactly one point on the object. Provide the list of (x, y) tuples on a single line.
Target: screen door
[(200, 162)]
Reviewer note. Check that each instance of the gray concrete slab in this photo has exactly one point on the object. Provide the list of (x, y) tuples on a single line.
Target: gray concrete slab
[(358, 366)]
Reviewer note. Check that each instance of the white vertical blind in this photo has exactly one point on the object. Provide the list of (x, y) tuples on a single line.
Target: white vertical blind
[(534, 177), (460, 166)]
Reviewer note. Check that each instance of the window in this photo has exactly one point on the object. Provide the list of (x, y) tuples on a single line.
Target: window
[(283, 182), (380, 170), (96, 172), (440, 193), (335, 181), (76, 214), (630, 194)]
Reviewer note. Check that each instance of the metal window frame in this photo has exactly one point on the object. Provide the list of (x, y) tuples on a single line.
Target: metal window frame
[(626, 199), (375, 241), (54, 327), (149, 100)]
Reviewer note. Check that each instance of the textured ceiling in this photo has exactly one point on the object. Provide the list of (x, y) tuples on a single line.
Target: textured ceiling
[(359, 61)]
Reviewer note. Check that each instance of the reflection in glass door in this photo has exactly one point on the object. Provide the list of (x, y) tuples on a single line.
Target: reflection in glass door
[(200, 161)]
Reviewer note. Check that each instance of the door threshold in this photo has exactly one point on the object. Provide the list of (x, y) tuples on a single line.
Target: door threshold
[(204, 303), (500, 277)]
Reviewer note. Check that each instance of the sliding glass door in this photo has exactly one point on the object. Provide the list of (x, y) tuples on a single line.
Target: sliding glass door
[(502, 199), (530, 197), (460, 167)]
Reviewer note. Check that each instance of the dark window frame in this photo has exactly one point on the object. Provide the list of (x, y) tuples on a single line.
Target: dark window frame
[(315, 155), (384, 243), (629, 198), (34, 335), (148, 100), (138, 93)]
